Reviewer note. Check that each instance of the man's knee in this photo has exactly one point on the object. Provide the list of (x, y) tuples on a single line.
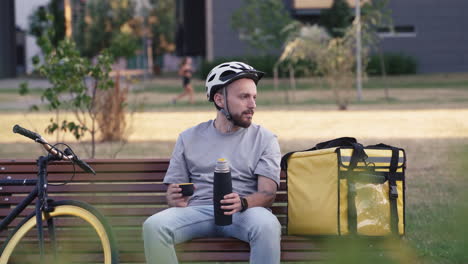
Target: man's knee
[(271, 226), (158, 227), (266, 224)]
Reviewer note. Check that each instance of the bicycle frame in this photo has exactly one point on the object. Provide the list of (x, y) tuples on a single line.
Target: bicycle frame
[(39, 192)]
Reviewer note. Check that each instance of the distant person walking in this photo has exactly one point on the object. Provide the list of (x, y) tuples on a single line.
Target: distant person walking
[(185, 71)]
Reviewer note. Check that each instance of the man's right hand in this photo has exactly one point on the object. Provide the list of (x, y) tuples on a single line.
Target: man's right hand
[(174, 196)]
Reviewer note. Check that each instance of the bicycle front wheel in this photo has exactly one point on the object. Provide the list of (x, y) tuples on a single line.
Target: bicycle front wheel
[(78, 217)]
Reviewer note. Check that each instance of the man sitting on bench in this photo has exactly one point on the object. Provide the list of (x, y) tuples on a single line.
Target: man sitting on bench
[(254, 156)]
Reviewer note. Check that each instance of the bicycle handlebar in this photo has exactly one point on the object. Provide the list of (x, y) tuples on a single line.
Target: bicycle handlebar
[(69, 155), (22, 131)]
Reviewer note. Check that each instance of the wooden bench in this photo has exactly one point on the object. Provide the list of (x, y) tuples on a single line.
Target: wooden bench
[(127, 191)]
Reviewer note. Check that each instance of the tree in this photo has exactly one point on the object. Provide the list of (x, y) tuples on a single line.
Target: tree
[(335, 57), (39, 22), (70, 73), (162, 20), (80, 86), (303, 44), (106, 23), (336, 63), (75, 85), (376, 15), (261, 24), (337, 18)]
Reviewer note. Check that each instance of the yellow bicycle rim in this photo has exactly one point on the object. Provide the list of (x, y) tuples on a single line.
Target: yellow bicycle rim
[(60, 210)]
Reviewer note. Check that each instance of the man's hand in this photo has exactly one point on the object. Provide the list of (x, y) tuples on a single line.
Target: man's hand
[(232, 202), (174, 196)]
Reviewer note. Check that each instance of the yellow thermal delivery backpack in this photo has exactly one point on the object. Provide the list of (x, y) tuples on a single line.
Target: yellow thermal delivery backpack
[(340, 187)]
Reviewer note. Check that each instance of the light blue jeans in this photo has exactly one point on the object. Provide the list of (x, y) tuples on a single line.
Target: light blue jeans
[(257, 226)]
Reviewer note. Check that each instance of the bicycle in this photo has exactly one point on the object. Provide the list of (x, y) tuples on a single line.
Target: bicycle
[(47, 211)]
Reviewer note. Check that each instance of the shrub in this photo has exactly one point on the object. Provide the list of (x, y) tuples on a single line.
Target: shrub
[(395, 64), (302, 68), (111, 106)]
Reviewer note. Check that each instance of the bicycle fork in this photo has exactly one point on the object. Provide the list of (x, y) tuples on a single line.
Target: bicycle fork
[(42, 208), (40, 230)]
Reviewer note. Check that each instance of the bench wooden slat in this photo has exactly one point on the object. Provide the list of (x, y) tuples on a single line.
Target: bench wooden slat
[(288, 243), (72, 244), (20, 166), (128, 211), (132, 236), (112, 199), (125, 221), (92, 188), (150, 176), (186, 257), (281, 197), (98, 200)]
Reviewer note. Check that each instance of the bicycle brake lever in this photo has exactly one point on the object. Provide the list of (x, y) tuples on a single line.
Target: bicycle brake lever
[(83, 165), (68, 152)]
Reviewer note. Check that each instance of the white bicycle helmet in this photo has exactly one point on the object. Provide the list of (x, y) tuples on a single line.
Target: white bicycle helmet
[(225, 73)]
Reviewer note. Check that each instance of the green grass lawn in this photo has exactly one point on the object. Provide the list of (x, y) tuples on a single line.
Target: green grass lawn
[(435, 90), (402, 82)]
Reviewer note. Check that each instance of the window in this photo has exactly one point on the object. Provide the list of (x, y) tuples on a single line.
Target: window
[(400, 31)]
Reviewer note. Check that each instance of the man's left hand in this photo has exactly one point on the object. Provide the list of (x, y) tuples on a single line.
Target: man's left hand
[(232, 202)]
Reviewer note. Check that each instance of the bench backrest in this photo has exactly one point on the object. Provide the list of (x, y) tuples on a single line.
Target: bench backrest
[(126, 191)]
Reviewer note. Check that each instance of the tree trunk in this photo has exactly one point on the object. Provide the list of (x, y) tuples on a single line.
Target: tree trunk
[(275, 78), (57, 116), (292, 82), (384, 74), (93, 139)]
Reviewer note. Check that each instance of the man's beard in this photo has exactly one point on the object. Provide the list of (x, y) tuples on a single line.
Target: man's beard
[(238, 121)]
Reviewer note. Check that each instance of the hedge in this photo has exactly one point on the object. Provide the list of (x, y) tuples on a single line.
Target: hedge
[(395, 64)]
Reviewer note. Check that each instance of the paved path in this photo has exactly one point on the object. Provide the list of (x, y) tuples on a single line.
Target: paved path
[(286, 124), (15, 82)]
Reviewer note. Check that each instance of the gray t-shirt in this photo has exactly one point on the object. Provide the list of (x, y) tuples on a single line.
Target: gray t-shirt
[(250, 152)]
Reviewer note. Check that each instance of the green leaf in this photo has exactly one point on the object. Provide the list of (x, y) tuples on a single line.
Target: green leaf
[(34, 108), (24, 88), (36, 60), (51, 127)]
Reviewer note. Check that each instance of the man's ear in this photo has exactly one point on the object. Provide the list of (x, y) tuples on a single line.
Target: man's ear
[(219, 100)]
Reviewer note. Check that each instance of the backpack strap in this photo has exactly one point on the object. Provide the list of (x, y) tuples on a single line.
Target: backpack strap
[(358, 155), (393, 192), (338, 142), (284, 160), (393, 189)]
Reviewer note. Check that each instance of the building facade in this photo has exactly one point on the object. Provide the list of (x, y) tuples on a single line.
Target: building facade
[(8, 54), (434, 32), (431, 31)]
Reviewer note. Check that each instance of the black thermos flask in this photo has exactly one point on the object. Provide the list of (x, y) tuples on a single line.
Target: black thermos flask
[(222, 186)]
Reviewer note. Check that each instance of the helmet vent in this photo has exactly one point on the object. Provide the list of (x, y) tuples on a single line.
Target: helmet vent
[(225, 65), (226, 73), (212, 77)]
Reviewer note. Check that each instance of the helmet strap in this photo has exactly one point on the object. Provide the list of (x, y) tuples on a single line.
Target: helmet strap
[(225, 109)]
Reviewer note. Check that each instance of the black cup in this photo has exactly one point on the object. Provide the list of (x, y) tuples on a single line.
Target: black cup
[(187, 189)]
